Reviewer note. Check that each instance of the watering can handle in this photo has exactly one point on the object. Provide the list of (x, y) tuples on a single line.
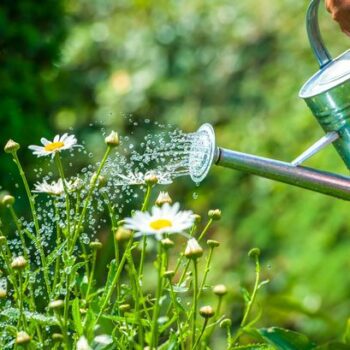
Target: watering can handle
[(313, 31)]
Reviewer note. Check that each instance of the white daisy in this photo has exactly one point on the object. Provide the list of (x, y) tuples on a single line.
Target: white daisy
[(165, 219), (54, 188), (58, 144)]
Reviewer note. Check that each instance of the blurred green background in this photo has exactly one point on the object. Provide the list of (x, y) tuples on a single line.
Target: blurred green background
[(236, 64)]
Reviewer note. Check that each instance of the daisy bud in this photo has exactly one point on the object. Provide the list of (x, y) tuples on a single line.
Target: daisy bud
[(220, 290), (22, 338), (19, 263), (3, 293), (2, 240), (56, 304), (124, 307), (167, 243), (214, 214), (8, 200), (11, 146), (112, 140), (101, 181), (193, 249), (169, 274), (163, 198), (122, 234), (225, 323), (197, 218), (206, 311), (96, 245), (254, 253), (212, 243), (151, 179), (57, 337)]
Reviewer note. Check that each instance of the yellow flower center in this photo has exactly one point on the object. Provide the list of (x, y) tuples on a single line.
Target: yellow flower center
[(53, 146), (160, 223)]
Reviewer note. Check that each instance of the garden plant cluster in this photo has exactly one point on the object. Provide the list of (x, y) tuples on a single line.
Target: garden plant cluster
[(52, 298)]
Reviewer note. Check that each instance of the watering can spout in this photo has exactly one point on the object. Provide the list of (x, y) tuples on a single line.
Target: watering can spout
[(204, 153)]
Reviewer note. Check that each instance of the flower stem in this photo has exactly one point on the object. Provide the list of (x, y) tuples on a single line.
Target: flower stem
[(206, 228), (201, 334), (58, 241), (177, 312), (195, 301), (36, 222), (66, 192), (250, 302), (144, 238), (88, 198), (91, 276), (206, 271), (20, 295), (109, 292), (156, 308)]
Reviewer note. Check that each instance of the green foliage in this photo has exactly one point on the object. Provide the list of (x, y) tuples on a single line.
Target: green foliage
[(238, 65)]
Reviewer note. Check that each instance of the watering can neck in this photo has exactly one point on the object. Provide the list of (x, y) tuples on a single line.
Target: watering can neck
[(313, 31)]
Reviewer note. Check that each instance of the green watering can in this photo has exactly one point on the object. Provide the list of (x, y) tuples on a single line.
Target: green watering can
[(327, 93)]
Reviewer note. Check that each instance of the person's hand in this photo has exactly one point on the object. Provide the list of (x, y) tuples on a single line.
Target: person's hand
[(340, 10)]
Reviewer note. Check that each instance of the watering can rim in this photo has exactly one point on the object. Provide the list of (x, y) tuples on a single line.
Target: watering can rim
[(329, 76)]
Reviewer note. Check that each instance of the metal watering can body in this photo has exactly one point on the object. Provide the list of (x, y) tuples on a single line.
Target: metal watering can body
[(327, 93)]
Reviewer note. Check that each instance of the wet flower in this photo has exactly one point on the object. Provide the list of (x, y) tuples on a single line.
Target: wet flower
[(206, 311), (197, 218), (165, 219), (57, 337), (122, 234), (11, 146), (8, 200), (96, 245), (254, 253), (124, 307), (163, 198), (169, 274), (56, 304), (22, 338), (220, 290), (112, 139), (151, 178), (19, 263), (59, 143), (55, 188), (167, 243), (212, 243), (193, 249), (214, 214), (3, 293)]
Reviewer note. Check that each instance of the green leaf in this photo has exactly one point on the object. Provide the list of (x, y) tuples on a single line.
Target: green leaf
[(76, 317), (284, 339), (333, 346), (171, 344), (254, 347), (111, 273)]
